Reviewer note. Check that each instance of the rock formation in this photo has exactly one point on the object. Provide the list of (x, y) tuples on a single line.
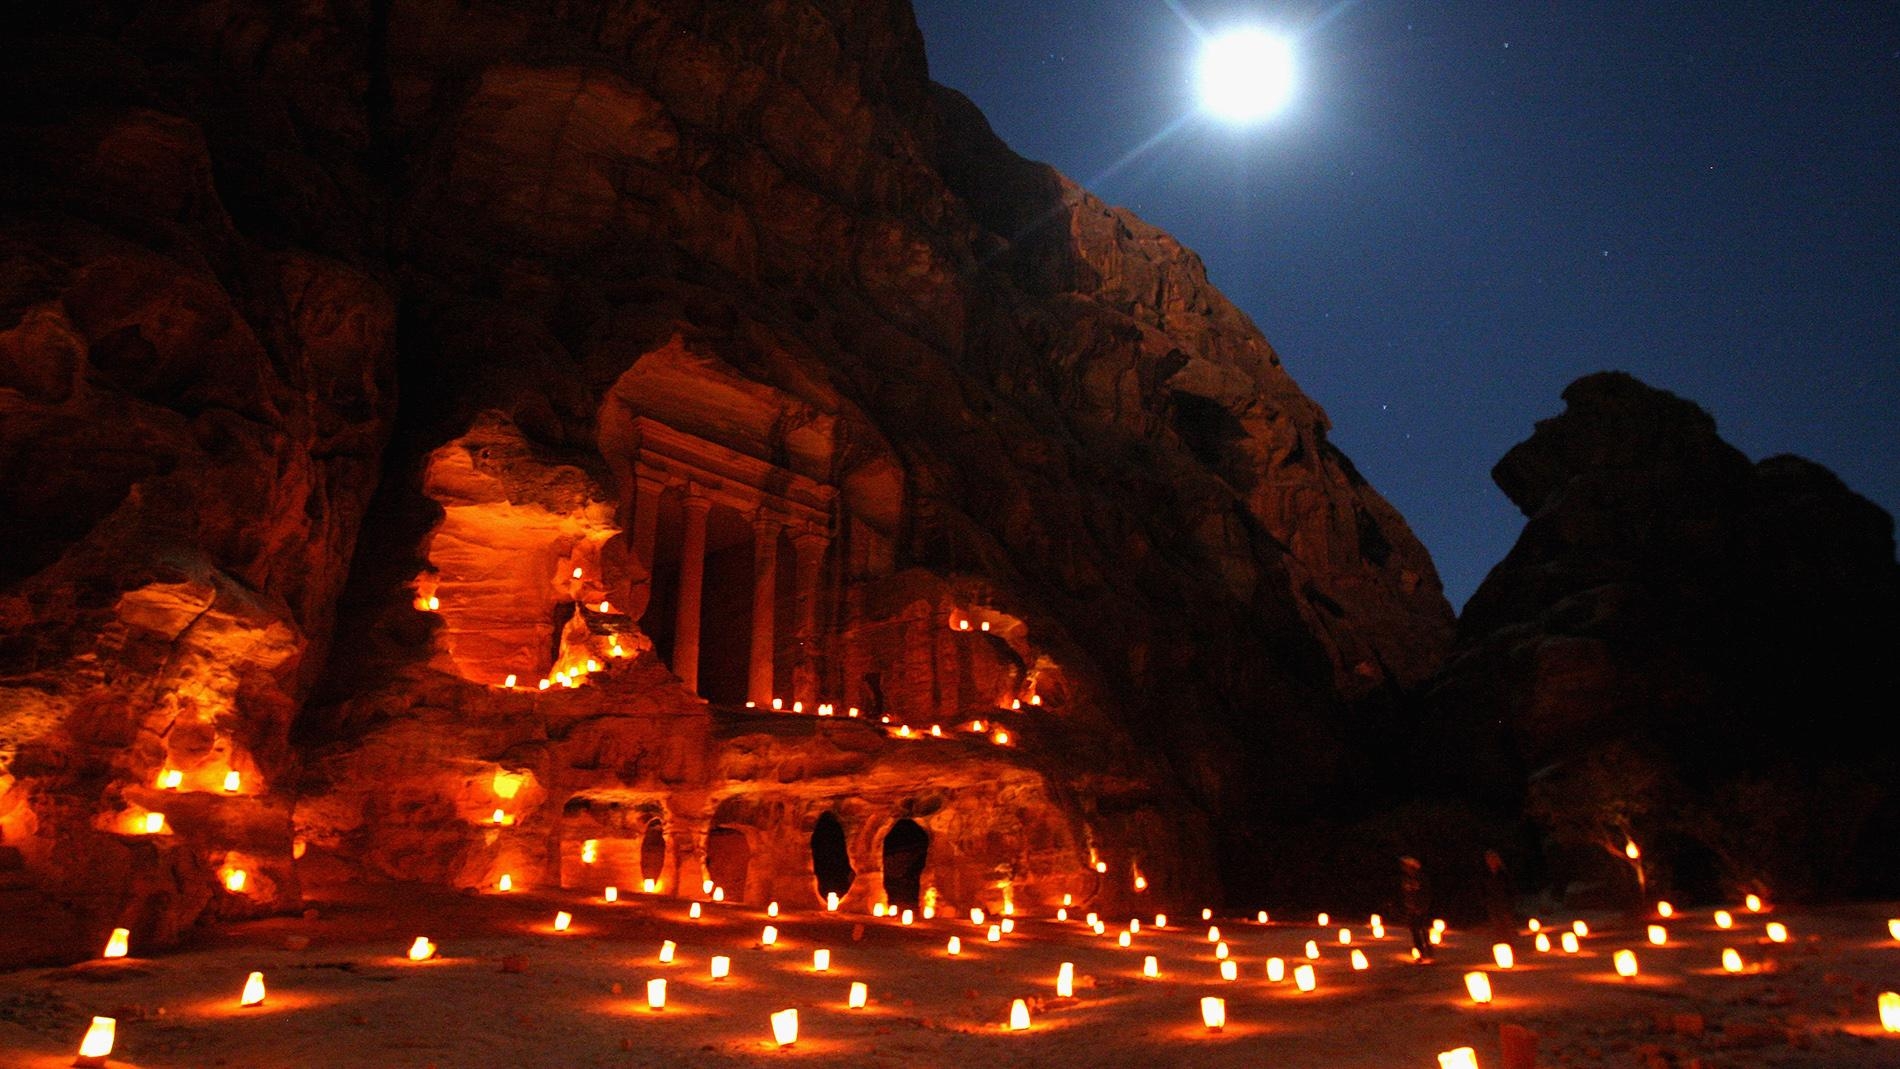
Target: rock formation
[(737, 363), (1680, 651)]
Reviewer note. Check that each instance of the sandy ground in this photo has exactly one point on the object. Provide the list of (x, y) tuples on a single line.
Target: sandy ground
[(507, 992)]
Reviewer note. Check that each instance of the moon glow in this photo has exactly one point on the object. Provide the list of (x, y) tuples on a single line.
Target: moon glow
[(1246, 75)]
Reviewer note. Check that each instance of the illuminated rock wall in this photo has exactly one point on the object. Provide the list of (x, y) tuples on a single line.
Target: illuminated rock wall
[(658, 281)]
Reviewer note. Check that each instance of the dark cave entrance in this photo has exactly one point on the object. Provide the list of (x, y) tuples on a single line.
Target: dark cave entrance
[(653, 853), (728, 855), (906, 846), (830, 860)]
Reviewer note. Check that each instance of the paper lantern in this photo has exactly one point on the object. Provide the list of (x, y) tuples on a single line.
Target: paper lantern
[(1462, 1058), (1570, 943), (1626, 963), (771, 909), (1378, 931), (611, 894), (1229, 971), (1359, 962), (693, 911), (954, 947), (562, 919), (1018, 1016), (506, 883), (509, 682), (1753, 902), (1580, 928), (1665, 910), (1724, 919), (1345, 937), (831, 902), (1214, 1013), (1304, 979), (1438, 925), (721, 967), (1890, 1011), (232, 782), (768, 937), (253, 990), (98, 1042), (1503, 955), (1065, 980), (422, 949), (1777, 932), (154, 823), (1008, 925), (1325, 919), (1312, 949), (719, 894), (1134, 924), (1062, 914), (1125, 940), (860, 994), (785, 1027), (1161, 920), (170, 779), (821, 960), (656, 995), (1658, 935), (976, 916), (1213, 934), (235, 880), (1150, 967), (1436, 937), (1207, 914), (1535, 924), (117, 943), (705, 887), (996, 933), (1543, 943), (906, 918), (1220, 951), (1731, 960), (1478, 986), (1893, 928), (667, 949), (877, 909), (1276, 970), (649, 886)]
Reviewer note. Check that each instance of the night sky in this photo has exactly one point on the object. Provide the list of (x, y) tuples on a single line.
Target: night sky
[(1468, 205)]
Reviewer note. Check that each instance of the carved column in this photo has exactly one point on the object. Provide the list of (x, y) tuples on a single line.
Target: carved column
[(646, 525), (765, 530), (692, 579), (810, 547)]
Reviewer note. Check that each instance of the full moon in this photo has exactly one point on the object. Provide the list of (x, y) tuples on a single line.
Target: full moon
[(1246, 75)]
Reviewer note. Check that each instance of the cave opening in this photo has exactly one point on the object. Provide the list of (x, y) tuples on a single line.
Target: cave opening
[(728, 856), (653, 852), (830, 860), (906, 847)]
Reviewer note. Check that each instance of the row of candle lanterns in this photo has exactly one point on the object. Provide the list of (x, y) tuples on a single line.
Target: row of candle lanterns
[(99, 1038)]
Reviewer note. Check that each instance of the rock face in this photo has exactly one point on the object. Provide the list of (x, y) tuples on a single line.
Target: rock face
[(1679, 650), (738, 362)]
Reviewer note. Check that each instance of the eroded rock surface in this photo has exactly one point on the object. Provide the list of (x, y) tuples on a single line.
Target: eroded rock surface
[(666, 279), (1679, 650)]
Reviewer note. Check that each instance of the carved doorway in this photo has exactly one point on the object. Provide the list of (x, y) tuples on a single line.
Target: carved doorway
[(906, 847), (653, 853), (830, 860), (728, 855)]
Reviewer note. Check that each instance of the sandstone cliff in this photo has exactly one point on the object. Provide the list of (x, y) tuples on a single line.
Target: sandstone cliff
[(1681, 649), (572, 230)]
